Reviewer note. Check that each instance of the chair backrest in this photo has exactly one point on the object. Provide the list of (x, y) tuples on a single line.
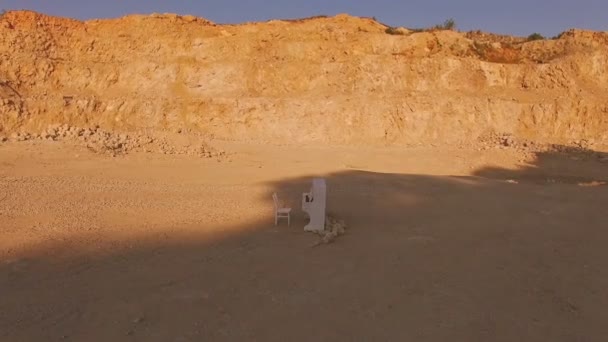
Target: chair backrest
[(276, 200)]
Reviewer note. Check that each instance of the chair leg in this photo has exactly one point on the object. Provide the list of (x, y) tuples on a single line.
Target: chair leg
[(276, 219), (288, 220)]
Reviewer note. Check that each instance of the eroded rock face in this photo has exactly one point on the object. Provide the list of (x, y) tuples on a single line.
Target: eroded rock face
[(340, 80)]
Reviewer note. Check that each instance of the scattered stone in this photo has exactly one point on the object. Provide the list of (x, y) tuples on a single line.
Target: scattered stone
[(116, 144), (507, 140), (333, 229), (592, 183)]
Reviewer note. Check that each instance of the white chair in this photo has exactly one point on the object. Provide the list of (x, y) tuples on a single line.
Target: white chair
[(280, 211)]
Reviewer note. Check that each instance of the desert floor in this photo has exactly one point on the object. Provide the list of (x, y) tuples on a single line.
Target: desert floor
[(441, 245)]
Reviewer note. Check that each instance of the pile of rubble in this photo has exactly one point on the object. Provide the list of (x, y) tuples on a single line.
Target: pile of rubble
[(333, 229), (506, 140), (114, 144), (582, 149)]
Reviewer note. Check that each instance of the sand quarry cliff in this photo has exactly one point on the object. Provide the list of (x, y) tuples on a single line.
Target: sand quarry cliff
[(136, 183), (337, 80)]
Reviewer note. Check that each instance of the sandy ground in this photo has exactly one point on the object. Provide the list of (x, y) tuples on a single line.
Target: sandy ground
[(442, 245)]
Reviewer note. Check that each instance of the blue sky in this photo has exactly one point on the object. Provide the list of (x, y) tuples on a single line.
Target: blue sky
[(519, 17)]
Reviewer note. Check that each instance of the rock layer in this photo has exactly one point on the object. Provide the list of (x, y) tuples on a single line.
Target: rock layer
[(339, 80)]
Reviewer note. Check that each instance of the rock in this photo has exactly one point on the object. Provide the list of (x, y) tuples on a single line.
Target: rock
[(401, 31), (189, 18), (507, 141)]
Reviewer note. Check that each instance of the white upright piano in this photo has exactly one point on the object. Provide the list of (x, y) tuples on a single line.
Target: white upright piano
[(313, 203)]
